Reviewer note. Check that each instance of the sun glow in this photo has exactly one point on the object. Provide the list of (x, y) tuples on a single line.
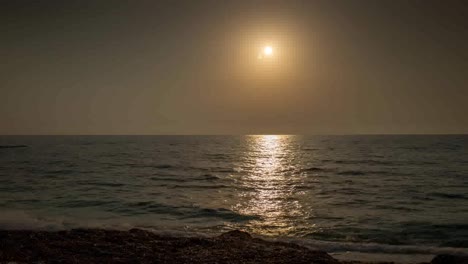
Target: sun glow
[(268, 51)]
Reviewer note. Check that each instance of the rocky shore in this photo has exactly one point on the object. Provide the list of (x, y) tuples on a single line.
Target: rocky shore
[(139, 246)]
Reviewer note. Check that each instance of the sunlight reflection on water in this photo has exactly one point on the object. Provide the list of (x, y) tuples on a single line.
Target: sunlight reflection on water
[(270, 192)]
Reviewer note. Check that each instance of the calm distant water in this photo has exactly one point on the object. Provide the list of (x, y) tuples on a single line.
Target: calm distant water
[(369, 193)]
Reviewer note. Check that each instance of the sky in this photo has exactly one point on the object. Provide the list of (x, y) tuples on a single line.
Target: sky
[(196, 67)]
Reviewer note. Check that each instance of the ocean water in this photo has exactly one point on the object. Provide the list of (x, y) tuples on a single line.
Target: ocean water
[(348, 195)]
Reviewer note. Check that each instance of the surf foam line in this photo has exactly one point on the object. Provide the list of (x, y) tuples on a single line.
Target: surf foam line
[(335, 246)]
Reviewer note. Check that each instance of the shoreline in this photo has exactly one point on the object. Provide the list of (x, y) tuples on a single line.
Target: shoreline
[(141, 246)]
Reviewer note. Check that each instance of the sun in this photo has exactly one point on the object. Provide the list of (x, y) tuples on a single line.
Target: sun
[(268, 51)]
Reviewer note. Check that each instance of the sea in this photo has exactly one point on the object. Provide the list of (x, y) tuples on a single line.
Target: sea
[(402, 198)]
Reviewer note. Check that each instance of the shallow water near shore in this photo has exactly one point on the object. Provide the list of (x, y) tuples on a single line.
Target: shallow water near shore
[(374, 194)]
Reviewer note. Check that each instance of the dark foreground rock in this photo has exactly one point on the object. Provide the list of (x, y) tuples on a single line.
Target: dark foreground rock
[(139, 246)]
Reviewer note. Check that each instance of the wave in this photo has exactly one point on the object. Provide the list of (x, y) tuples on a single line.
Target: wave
[(217, 156), (183, 212), (314, 169), (174, 178), (449, 195), (223, 213), (161, 166), (85, 203), (364, 161), (397, 208), (208, 177), (20, 220), (310, 149), (123, 216), (59, 171), (330, 246), (375, 162), (227, 170), (436, 227), (351, 172), (136, 165), (100, 184), (373, 172), (12, 146), (198, 186)]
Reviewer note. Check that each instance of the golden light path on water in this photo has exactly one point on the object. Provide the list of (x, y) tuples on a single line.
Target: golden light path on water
[(271, 192)]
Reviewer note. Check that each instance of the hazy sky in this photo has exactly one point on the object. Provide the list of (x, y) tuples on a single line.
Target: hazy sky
[(193, 67)]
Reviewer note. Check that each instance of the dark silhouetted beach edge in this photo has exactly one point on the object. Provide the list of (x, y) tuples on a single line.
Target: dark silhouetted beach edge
[(140, 246)]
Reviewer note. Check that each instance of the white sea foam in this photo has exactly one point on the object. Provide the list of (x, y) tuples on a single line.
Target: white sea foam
[(21, 220), (17, 219), (330, 246), (383, 257)]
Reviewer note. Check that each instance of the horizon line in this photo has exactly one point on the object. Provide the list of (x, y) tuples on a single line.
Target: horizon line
[(279, 134)]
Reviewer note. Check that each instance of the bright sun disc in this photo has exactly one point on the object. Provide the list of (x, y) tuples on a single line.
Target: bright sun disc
[(268, 50)]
